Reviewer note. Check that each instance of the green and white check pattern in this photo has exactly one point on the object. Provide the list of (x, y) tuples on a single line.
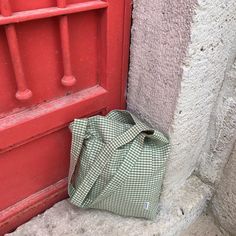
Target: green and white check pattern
[(117, 164)]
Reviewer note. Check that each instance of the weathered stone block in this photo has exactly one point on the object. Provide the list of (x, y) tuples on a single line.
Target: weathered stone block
[(224, 202)]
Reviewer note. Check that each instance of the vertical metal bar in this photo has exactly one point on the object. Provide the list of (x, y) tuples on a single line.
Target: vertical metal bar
[(68, 78), (23, 93)]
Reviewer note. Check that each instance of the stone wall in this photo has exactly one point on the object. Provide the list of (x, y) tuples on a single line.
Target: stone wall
[(180, 52), (224, 202), (160, 37), (222, 130)]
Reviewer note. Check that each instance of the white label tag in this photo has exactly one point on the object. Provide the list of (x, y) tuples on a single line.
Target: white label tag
[(146, 205)]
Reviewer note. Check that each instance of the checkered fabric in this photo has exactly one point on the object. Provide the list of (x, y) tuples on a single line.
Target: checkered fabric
[(117, 164)]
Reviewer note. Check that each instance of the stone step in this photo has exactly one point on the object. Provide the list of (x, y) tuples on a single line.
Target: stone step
[(205, 225), (65, 219)]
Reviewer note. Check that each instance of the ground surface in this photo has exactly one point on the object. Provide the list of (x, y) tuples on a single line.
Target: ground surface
[(205, 226), (224, 202), (175, 215), (61, 222)]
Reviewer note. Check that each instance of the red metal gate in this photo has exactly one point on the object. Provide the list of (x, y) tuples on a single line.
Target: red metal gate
[(58, 60)]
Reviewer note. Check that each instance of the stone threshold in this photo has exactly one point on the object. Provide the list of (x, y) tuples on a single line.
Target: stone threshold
[(64, 219)]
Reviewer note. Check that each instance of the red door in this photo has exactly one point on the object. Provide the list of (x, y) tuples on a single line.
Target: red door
[(58, 60)]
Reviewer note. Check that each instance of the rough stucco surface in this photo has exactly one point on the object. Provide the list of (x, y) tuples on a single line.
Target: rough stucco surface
[(222, 133), (224, 202), (151, 94), (64, 219), (160, 36), (212, 38), (205, 225)]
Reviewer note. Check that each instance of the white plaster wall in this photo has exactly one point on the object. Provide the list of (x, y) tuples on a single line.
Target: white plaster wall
[(212, 39), (180, 104), (224, 202), (222, 131)]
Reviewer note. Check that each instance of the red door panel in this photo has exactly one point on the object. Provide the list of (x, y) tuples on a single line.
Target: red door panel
[(32, 163), (59, 60)]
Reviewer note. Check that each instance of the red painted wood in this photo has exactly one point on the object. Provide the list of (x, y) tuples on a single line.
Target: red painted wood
[(73, 58), (68, 78), (61, 3), (52, 11), (24, 210), (50, 116), (36, 164), (6, 8), (23, 92)]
